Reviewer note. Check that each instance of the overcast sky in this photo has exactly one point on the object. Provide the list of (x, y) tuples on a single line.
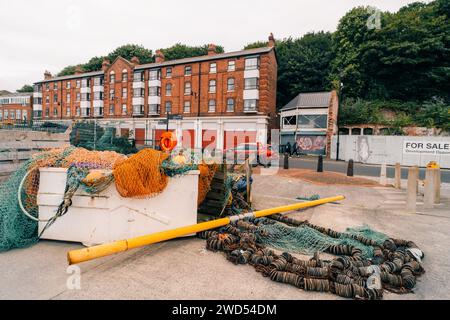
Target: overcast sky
[(50, 34)]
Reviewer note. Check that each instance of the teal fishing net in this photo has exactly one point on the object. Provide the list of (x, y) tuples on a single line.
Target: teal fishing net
[(306, 240), (17, 230)]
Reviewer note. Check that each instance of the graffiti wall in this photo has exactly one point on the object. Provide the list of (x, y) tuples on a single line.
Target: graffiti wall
[(312, 144)]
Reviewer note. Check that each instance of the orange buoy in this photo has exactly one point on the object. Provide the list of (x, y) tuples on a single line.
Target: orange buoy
[(168, 141)]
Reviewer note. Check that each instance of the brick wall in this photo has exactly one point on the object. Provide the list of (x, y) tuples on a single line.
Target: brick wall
[(24, 109)]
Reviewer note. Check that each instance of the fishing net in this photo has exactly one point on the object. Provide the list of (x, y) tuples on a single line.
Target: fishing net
[(306, 240), (141, 176), (16, 229), (91, 136)]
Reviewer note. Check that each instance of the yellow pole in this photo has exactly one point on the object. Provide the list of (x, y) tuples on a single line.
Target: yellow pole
[(86, 254)]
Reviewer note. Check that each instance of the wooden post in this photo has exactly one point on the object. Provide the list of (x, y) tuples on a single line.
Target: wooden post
[(437, 186), (430, 188), (398, 176), (383, 174), (248, 174), (411, 195)]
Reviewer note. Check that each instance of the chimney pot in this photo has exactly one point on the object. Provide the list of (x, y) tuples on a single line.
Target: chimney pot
[(271, 40), (47, 75)]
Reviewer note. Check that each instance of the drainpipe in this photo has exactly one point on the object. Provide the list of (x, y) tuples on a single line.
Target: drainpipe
[(199, 87)]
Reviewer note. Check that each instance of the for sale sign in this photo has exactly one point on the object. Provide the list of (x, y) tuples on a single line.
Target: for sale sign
[(427, 147)]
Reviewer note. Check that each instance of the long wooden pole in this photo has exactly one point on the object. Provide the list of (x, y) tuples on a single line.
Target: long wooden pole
[(86, 254)]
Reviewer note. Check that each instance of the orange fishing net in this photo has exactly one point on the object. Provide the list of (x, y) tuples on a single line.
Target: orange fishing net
[(141, 174), (64, 158), (94, 159), (207, 173)]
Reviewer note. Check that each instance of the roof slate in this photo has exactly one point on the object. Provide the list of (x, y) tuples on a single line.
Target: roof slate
[(309, 100)]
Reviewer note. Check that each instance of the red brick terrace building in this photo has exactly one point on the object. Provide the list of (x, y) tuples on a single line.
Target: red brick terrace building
[(16, 107), (219, 96)]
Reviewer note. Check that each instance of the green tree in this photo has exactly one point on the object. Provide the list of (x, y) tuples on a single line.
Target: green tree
[(255, 45), (26, 88), (129, 51), (304, 64), (351, 34), (181, 51)]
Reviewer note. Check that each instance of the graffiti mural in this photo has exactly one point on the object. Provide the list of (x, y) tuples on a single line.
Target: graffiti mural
[(312, 144)]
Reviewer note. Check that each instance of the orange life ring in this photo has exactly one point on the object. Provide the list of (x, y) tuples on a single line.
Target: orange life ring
[(168, 141)]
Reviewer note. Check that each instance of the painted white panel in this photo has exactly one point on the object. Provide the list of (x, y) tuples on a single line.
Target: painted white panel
[(240, 126), (85, 104), (37, 107), (154, 83), (37, 94), (98, 88), (85, 90), (154, 100), (138, 85), (138, 101), (251, 94), (377, 149), (251, 73), (98, 103)]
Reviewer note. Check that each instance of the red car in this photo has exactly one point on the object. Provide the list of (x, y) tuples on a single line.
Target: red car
[(257, 152)]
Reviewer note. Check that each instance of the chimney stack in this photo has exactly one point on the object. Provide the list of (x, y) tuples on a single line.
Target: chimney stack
[(105, 65), (78, 70), (135, 61), (271, 40), (211, 49), (159, 56), (47, 75)]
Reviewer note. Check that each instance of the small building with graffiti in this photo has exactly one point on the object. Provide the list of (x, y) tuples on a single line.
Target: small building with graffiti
[(309, 121)]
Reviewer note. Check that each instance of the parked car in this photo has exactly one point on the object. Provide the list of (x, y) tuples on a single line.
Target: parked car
[(258, 153)]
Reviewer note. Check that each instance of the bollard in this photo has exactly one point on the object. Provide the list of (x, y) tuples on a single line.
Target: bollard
[(383, 174), (286, 161), (437, 186), (429, 198), (320, 164), (350, 172), (411, 195), (398, 176)]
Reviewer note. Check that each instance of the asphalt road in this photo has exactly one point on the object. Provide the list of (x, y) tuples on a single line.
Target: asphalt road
[(359, 169)]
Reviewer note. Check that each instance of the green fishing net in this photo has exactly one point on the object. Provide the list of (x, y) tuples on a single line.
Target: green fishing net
[(306, 240)]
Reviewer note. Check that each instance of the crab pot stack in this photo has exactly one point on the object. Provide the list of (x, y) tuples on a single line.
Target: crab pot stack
[(216, 197)]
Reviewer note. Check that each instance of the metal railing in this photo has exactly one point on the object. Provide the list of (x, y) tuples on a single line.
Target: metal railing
[(35, 125)]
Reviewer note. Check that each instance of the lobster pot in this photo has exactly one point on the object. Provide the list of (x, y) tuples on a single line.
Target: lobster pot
[(107, 217)]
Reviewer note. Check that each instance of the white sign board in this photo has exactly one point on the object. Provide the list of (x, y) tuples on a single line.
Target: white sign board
[(426, 147)]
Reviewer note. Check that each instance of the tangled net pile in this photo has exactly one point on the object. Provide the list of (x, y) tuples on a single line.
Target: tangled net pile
[(17, 230), (144, 174), (357, 272)]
